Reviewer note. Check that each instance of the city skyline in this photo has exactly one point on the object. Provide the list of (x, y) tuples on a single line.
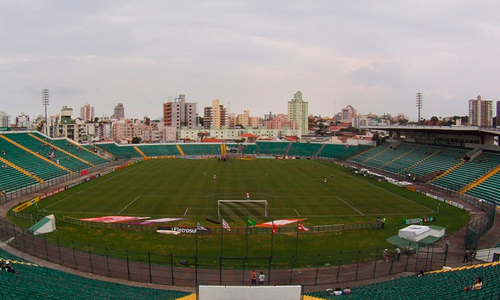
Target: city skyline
[(250, 56)]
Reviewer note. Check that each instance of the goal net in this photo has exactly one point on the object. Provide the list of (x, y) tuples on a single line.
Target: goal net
[(242, 208)]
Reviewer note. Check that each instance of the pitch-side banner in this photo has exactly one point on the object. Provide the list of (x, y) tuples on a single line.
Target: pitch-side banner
[(184, 229), (114, 219), (157, 221), (281, 222)]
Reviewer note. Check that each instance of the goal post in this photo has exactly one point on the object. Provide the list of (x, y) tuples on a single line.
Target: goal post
[(242, 208)]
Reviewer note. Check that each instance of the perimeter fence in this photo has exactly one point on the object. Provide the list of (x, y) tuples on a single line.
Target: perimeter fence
[(192, 270)]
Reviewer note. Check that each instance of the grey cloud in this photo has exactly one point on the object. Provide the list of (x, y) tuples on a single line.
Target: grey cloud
[(388, 74)]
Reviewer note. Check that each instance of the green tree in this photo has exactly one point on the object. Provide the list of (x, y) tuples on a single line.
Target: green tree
[(376, 137), (434, 120), (136, 140)]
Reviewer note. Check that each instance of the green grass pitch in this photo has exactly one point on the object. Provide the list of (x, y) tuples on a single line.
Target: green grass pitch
[(186, 188), (293, 189)]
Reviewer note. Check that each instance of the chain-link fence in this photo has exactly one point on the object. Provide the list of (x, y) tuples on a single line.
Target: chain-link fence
[(191, 270)]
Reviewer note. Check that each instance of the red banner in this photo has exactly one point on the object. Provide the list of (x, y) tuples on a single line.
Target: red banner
[(114, 219), (281, 222)]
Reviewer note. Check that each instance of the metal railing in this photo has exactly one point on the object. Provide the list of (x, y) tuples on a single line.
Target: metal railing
[(191, 270)]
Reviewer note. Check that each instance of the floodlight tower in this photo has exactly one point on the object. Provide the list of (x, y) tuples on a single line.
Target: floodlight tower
[(419, 105), (45, 102)]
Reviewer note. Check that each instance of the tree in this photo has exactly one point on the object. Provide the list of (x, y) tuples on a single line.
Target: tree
[(351, 129), (376, 137), (136, 140), (434, 120), (403, 122)]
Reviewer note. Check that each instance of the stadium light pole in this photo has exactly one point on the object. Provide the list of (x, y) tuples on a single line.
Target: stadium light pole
[(419, 103), (45, 102)]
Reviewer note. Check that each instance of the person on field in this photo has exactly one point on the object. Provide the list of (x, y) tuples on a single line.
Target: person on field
[(472, 256), (215, 177), (466, 256), (383, 222), (253, 276), (397, 251), (262, 277)]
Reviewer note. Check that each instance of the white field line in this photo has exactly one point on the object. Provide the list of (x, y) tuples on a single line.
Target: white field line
[(296, 212), (186, 211), (355, 177), (90, 187), (351, 206), (129, 205)]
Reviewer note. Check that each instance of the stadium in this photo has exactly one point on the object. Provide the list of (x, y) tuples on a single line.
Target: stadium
[(194, 219)]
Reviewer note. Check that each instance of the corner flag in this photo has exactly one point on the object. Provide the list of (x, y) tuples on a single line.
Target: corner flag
[(302, 227), (226, 225), (200, 227), (250, 222), (275, 228)]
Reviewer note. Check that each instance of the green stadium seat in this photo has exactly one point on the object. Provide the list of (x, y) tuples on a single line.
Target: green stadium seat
[(36, 282)]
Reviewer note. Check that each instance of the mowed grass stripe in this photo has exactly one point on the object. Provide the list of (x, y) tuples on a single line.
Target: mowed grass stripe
[(169, 186), (243, 209)]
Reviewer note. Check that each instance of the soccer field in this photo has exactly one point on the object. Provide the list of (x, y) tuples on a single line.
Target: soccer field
[(187, 188)]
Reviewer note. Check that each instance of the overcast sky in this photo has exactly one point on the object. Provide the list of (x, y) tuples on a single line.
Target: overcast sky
[(373, 55)]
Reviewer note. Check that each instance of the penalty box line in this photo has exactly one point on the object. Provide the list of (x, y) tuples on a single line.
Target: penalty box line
[(128, 205), (350, 206)]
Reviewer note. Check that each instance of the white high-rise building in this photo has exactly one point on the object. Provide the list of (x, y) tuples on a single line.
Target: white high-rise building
[(4, 119), (298, 111)]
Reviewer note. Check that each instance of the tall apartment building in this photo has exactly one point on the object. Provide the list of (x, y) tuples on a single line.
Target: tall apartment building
[(279, 121), (119, 112), (4, 119), (215, 115), (298, 111), (347, 114), (480, 112), (245, 120), (87, 113), (180, 114), (127, 130)]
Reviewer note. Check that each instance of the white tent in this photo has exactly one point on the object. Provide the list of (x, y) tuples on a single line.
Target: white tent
[(45, 225)]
